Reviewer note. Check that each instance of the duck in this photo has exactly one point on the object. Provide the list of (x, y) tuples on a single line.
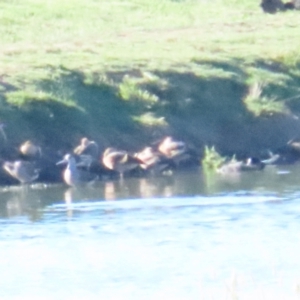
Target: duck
[(272, 160), (148, 157), (170, 147), (286, 154), (30, 150), (87, 147), (88, 151), (119, 160), (251, 164), (294, 144), (181, 155), (72, 175), (152, 160), (23, 171)]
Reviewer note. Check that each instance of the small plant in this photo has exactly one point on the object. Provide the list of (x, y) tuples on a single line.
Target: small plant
[(23, 98), (149, 119), (212, 160), (97, 79), (262, 105), (129, 90), (150, 78)]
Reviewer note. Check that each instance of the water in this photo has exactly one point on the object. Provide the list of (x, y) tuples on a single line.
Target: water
[(186, 236)]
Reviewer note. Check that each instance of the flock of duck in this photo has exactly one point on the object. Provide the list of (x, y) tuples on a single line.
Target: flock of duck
[(85, 163)]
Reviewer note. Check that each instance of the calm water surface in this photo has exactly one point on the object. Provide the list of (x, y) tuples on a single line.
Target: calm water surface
[(185, 236)]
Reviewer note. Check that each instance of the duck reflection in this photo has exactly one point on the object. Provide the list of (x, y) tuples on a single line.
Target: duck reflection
[(271, 179), (110, 191), (87, 195), (14, 207), (214, 182), (139, 188), (20, 202), (151, 187), (147, 188), (68, 197)]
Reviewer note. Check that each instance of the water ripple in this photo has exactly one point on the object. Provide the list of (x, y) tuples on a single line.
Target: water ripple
[(58, 244)]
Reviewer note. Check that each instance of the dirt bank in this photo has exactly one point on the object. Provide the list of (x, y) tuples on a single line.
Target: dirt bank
[(133, 108)]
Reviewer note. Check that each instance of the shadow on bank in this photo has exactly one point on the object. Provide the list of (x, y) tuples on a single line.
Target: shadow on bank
[(209, 104)]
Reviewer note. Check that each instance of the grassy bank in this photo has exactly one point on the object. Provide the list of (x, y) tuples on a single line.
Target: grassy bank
[(127, 72)]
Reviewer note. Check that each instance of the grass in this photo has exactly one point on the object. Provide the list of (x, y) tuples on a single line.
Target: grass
[(212, 160), (96, 34), (261, 105), (120, 68), (23, 98)]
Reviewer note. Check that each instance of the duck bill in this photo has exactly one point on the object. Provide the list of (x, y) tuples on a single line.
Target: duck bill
[(7, 166), (61, 162)]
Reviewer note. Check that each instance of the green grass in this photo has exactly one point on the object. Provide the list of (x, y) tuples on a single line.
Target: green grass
[(131, 70), (23, 98), (212, 160), (100, 34), (261, 105)]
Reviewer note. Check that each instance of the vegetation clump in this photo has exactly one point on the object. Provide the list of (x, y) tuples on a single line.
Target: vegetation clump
[(212, 160), (262, 105)]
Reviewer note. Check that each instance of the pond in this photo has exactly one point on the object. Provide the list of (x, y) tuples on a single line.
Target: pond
[(182, 236)]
